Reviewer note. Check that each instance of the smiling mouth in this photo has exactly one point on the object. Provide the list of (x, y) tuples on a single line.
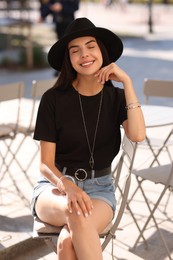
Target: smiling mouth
[(87, 63)]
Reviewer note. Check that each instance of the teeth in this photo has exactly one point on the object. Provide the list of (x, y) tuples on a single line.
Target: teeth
[(87, 63)]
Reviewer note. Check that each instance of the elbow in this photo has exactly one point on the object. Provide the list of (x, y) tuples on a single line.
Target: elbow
[(137, 137)]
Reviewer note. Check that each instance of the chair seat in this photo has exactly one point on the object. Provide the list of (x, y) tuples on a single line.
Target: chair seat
[(156, 143), (42, 227), (5, 129), (24, 129), (45, 228), (158, 174)]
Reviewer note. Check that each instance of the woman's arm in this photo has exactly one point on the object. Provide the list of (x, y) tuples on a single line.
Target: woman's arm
[(134, 126), (76, 197), (47, 162)]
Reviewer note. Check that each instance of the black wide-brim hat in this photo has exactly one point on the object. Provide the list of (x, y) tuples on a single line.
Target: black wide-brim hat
[(83, 27)]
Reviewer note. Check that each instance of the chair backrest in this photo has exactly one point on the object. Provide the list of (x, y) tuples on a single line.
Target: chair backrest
[(39, 87), (126, 159), (157, 88), (128, 154), (11, 92)]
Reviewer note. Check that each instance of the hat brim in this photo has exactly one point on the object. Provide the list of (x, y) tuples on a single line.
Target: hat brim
[(111, 41)]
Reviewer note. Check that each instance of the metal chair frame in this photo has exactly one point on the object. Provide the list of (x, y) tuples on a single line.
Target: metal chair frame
[(9, 130), (158, 89), (38, 89), (159, 174)]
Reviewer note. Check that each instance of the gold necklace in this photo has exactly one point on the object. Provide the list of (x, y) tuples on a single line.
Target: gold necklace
[(91, 149)]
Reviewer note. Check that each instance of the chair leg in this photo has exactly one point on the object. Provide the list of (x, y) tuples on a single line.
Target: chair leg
[(167, 201), (112, 250), (7, 170), (160, 150), (50, 243), (155, 222), (14, 158), (131, 212), (138, 227), (152, 150)]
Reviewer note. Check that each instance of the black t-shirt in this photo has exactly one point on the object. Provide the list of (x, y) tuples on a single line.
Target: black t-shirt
[(59, 120)]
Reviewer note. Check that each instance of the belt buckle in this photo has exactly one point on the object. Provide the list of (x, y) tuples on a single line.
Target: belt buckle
[(77, 173)]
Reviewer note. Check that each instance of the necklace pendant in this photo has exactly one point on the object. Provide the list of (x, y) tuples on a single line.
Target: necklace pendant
[(91, 162)]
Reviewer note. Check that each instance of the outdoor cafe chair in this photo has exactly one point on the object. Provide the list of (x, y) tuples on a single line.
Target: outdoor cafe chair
[(158, 89), (162, 174), (27, 128), (10, 112), (156, 145), (122, 178)]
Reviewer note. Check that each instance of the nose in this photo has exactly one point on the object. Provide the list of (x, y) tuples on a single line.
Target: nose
[(84, 53)]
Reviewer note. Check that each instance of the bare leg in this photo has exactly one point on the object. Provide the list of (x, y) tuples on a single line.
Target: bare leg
[(65, 249), (84, 231)]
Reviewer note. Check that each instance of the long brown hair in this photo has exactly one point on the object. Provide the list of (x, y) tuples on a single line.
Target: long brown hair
[(68, 74)]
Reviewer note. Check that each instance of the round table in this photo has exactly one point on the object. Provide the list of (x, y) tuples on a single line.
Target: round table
[(156, 116)]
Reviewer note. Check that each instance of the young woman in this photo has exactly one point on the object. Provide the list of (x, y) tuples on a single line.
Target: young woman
[(78, 125)]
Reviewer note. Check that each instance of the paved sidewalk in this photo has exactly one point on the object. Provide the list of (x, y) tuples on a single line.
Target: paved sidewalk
[(145, 55)]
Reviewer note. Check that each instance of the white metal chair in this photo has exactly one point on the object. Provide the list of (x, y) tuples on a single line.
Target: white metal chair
[(121, 175), (27, 128), (10, 105), (160, 174), (158, 89), (38, 89), (156, 145)]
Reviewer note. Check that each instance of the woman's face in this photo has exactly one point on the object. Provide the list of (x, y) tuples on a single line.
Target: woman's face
[(85, 55)]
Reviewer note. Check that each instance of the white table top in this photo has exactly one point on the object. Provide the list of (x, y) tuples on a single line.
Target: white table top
[(157, 115)]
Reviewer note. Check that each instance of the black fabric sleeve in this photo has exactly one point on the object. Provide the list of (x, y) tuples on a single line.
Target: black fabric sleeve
[(45, 128)]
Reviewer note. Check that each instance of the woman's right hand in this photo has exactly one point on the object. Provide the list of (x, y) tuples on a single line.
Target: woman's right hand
[(77, 199)]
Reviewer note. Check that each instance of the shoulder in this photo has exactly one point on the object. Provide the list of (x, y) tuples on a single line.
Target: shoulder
[(114, 91), (57, 95)]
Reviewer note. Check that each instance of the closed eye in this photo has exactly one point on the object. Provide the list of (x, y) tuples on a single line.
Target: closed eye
[(74, 50)]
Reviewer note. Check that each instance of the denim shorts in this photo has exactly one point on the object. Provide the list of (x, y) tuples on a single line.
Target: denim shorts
[(97, 188)]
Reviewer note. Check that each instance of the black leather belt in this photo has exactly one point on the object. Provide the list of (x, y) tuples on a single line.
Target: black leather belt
[(81, 174)]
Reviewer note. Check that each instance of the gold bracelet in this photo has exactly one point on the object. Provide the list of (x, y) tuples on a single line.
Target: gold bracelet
[(132, 107)]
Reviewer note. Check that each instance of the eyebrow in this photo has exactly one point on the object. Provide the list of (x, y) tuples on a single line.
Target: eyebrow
[(74, 46)]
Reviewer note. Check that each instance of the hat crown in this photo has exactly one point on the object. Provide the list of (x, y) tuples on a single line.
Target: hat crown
[(80, 24)]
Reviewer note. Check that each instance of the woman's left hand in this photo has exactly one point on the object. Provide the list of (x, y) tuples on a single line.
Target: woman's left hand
[(112, 72)]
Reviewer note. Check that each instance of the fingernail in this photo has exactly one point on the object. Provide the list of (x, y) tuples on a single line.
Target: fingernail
[(78, 213), (86, 215)]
